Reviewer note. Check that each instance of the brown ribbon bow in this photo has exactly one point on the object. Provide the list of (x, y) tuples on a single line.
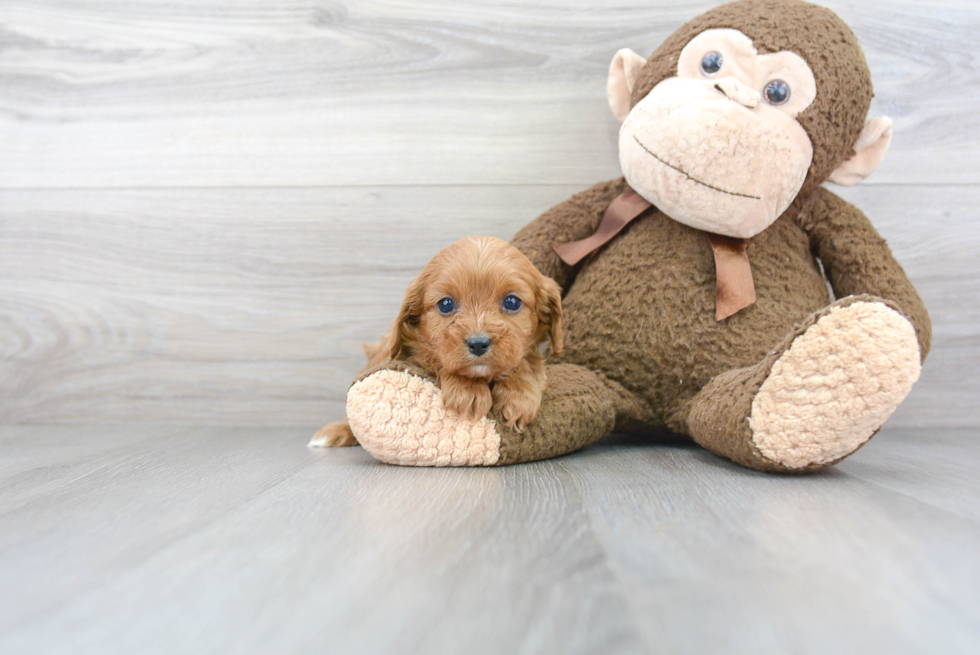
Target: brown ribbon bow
[(735, 287)]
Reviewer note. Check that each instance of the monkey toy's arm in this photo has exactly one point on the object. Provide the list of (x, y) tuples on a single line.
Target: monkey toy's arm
[(858, 261), (576, 218)]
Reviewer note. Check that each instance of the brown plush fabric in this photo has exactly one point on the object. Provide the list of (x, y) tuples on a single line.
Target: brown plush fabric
[(576, 218), (835, 119), (643, 349), (641, 309), (718, 418), (398, 365), (857, 260), (579, 408)]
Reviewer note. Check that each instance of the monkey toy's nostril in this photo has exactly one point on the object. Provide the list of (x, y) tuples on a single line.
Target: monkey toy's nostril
[(478, 344), (718, 86)]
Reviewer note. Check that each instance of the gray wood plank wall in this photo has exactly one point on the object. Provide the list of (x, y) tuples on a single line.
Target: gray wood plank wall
[(205, 207)]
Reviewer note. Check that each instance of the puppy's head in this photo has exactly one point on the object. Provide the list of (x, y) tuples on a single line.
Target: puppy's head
[(477, 310)]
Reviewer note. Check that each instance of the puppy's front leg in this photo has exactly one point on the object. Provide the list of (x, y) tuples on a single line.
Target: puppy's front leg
[(466, 396), (517, 397), (333, 435)]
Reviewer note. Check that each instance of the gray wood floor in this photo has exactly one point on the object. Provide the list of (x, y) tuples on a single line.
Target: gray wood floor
[(206, 206), (138, 539)]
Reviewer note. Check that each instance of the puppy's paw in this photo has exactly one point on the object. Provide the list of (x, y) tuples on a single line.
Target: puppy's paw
[(468, 398), (517, 406), (334, 435), (517, 413)]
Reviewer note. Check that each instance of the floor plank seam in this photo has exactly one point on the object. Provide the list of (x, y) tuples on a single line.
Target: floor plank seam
[(919, 501), (609, 563), (185, 534)]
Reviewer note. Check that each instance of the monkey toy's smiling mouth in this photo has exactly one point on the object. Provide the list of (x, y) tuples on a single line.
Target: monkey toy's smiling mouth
[(690, 177), (708, 148)]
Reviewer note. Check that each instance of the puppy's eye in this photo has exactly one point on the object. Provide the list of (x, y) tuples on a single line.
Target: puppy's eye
[(512, 303), (446, 306), (712, 63)]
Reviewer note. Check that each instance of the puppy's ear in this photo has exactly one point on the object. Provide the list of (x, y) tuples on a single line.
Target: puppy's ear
[(549, 311), (404, 333)]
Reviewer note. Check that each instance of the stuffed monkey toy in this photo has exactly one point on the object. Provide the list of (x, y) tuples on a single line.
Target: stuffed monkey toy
[(695, 290)]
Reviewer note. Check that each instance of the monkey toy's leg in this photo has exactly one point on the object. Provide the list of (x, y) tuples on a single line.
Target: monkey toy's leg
[(816, 398), (396, 412)]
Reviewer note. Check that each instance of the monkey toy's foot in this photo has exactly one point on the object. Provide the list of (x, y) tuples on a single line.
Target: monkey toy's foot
[(396, 412), (817, 399), (398, 416)]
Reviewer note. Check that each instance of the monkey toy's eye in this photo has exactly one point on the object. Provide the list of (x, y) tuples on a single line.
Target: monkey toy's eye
[(512, 303), (776, 92), (446, 306), (711, 63)]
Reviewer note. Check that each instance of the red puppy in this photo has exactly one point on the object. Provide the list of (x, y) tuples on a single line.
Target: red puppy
[(476, 317)]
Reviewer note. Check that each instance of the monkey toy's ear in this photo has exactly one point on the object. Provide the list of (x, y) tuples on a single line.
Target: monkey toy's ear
[(869, 151), (623, 71)]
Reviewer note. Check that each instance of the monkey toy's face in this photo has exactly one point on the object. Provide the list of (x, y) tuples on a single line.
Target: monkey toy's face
[(718, 147)]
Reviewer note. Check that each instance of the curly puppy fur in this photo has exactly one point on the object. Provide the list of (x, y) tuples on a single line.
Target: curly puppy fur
[(476, 274)]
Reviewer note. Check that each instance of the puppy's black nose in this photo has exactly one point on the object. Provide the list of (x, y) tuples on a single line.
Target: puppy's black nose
[(478, 344)]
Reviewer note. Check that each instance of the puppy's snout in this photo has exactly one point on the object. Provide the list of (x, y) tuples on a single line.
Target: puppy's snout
[(478, 344)]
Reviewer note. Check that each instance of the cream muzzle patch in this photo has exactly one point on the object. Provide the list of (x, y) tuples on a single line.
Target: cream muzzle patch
[(718, 147)]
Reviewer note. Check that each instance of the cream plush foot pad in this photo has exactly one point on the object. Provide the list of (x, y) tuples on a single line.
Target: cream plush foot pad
[(836, 385), (400, 419)]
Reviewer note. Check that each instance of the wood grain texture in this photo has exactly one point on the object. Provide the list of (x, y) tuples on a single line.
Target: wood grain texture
[(248, 93), (159, 304), (326, 549), (249, 306), (205, 207), (829, 563), (242, 540)]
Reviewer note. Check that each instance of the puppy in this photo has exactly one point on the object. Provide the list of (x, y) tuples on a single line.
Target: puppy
[(476, 316)]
